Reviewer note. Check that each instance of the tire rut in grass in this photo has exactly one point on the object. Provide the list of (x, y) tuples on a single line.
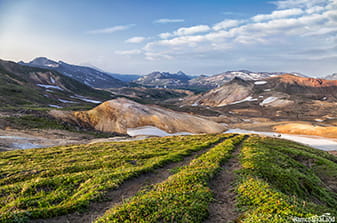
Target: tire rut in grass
[(124, 191), (223, 208)]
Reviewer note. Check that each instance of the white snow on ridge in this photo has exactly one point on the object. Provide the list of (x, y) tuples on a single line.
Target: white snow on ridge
[(55, 106), (268, 100), (52, 80), (153, 131), (50, 86), (249, 98), (260, 82), (316, 142), (66, 101), (86, 99)]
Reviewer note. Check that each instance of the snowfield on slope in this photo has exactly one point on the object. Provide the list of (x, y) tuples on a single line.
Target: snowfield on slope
[(313, 141)]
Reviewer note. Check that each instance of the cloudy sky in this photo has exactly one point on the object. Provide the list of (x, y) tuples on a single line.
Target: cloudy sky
[(195, 36)]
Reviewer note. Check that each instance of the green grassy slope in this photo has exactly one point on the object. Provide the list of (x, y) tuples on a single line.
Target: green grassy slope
[(18, 87), (278, 179), (29, 187)]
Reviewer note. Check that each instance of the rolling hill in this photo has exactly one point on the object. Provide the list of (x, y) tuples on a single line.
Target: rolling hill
[(118, 115), (212, 178)]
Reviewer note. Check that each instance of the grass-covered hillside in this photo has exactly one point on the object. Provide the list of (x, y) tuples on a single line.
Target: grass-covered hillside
[(23, 86), (275, 180)]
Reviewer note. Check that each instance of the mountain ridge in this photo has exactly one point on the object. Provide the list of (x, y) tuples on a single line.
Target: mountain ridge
[(87, 75)]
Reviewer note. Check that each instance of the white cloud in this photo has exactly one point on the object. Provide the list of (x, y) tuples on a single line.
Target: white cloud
[(164, 21), (165, 35), (136, 39), (185, 31), (278, 14), (111, 29), (268, 40), (299, 3), (225, 24), (128, 52)]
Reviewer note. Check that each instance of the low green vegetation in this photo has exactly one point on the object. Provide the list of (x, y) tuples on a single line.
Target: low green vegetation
[(281, 180), (44, 121), (278, 179), (41, 183), (183, 197), (18, 88)]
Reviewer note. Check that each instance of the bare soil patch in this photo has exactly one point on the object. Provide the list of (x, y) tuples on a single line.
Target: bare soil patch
[(223, 208)]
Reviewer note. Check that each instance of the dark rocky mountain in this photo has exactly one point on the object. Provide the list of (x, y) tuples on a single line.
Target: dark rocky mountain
[(87, 75), (31, 86), (164, 79)]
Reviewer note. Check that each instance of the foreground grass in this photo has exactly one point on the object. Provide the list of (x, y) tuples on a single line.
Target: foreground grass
[(183, 197), (282, 179), (41, 183)]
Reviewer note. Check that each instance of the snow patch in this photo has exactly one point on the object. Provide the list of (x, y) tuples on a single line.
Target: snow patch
[(66, 101), (27, 145), (268, 100), (319, 120), (50, 86), (267, 90), (86, 99), (312, 141), (260, 82), (55, 106), (249, 98), (52, 80), (153, 131)]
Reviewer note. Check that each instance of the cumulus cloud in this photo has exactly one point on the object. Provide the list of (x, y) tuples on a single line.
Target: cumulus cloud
[(185, 31), (268, 38), (278, 14), (299, 3), (227, 23), (164, 21), (136, 39), (111, 29)]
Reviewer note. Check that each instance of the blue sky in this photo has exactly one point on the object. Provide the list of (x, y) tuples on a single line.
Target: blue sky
[(198, 37)]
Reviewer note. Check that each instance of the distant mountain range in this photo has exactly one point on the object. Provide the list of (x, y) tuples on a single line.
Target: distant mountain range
[(181, 80), (31, 86), (94, 77), (284, 96), (331, 77), (164, 79), (87, 75)]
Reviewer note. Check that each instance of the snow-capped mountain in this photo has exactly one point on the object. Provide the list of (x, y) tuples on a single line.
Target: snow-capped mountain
[(331, 77), (222, 78), (164, 79), (86, 75)]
